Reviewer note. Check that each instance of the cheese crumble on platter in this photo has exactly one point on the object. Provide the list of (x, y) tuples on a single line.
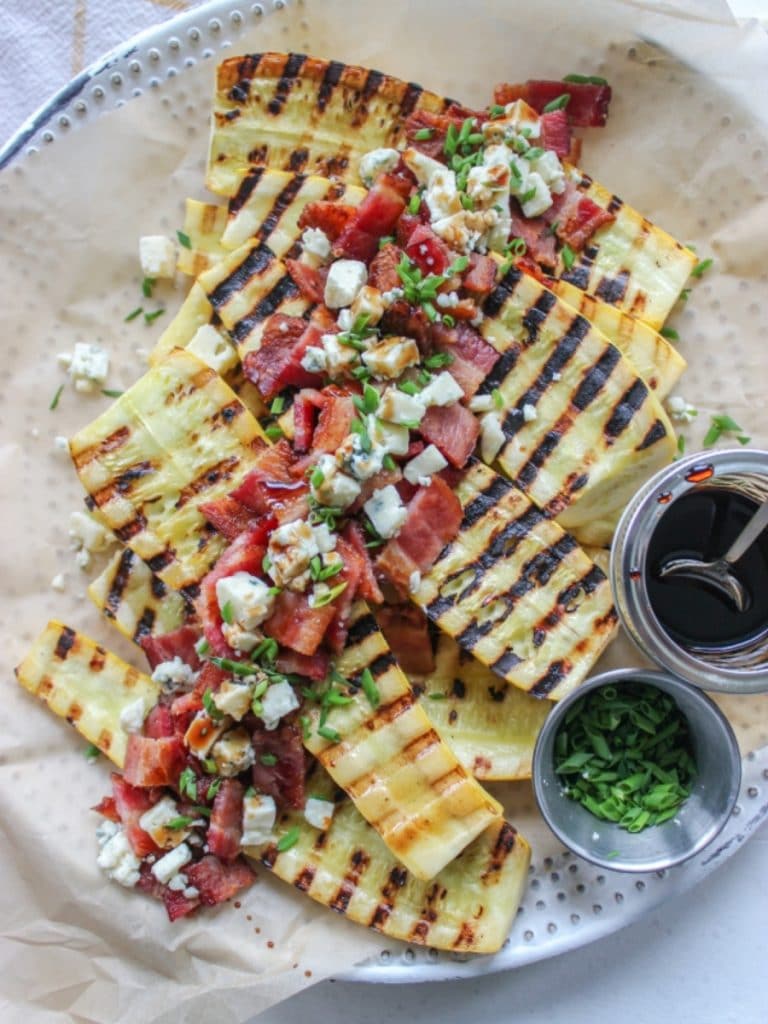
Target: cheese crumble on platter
[(350, 510)]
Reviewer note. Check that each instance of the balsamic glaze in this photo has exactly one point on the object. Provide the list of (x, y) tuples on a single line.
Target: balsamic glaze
[(703, 524)]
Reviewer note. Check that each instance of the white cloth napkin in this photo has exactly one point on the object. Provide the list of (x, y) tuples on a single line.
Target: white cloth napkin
[(44, 43)]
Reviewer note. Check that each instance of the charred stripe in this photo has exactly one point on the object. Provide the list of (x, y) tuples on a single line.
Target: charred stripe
[(612, 289), (595, 380), (65, 642), (501, 369), (626, 408), (485, 501), (411, 97), (145, 624), (283, 290), (655, 434), (554, 675), (129, 530), (120, 581), (588, 583), (257, 260), (159, 562), (502, 291), (108, 444), (280, 205), (209, 478), (373, 82), (306, 877), (245, 190), (615, 205), (286, 82), (535, 316), (297, 161), (551, 440), (330, 80), (364, 627), (506, 662), (578, 275)]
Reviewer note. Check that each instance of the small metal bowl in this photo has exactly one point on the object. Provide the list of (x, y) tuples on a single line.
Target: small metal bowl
[(699, 819)]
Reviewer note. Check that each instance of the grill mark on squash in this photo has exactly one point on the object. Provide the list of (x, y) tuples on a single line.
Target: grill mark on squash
[(65, 643), (613, 287), (502, 291), (120, 581), (330, 80), (358, 864), (144, 625), (245, 190), (287, 80), (258, 259), (596, 378), (108, 444), (625, 409), (208, 478), (655, 434), (535, 315), (282, 202), (284, 289)]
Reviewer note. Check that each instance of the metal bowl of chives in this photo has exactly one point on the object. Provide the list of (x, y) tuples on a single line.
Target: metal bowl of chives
[(697, 820)]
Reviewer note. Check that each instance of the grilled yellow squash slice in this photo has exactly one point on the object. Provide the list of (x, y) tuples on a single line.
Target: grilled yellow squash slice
[(84, 683), (581, 428), (177, 438), (302, 114), (195, 312), (136, 601), (517, 592), (385, 754), (489, 725), (630, 264), (266, 206), (468, 907)]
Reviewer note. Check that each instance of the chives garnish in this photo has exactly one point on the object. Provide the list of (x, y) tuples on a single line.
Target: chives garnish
[(681, 444), (210, 766), (423, 134), (133, 314), (328, 733), (388, 462), (227, 614), (149, 318), (669, 333), (288, 839), (370, 689), (305, 724), (188, 784), (527, 196), (214, 787), (558, 104), (184, 239), (210, 707), (273, 432), (724, 425), (439, 359), (278, 405), (498, 398), (448, 320), (91, 752), (585, 79), (467, 202), (56, 397), (496, 111), (437, 696), (568, 256), (111, 392), (268, 759), (179, 822), (329, 596), (516, 246), (414, 203), (146, 287), (625, 754), (701, 267)]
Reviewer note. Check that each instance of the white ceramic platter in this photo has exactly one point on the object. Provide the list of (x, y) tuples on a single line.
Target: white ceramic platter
[(568, 902)]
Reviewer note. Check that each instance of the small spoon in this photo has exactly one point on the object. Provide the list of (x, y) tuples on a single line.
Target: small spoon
[(717, 573)]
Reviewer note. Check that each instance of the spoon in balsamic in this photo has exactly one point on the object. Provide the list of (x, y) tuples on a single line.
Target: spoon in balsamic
[(717, 573)]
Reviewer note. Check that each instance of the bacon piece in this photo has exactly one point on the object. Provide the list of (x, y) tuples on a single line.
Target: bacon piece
[(284, 780), (217, 882), (243, 555), (556, 132), (408, 223), (587, 107), (313, 666), (375, 216), (536, 233), (177, 905), (229, 516), (434, 517), (178, 643), (159, 722), (409, 321), (107, 808), (405, 629), (150, 762), (383, 270), (271, 487), (226, 827), (430, 254), (331, 217), (305, 405), (130, 803), (309, 280), (277, 364), (453, 430), (374, 483), (480, 276), (580, 221), (438, 125), (367, 586), (296, 625), (473, 357), (336, 414), (351, 574)]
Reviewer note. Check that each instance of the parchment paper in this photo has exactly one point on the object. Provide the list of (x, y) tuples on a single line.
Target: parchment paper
[(687, 143)]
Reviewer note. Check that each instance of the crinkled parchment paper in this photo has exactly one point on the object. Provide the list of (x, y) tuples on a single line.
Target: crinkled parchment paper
[(685, 144)]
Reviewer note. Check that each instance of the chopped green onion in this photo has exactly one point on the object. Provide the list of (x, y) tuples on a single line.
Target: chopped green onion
[(423, 134), (448, 320), (389, 463), (111, 393), (414, 203), (305, 724), (214, 787), (210, 707), (267, 649), (497, 110), (91, 752), (227, 614), (568, 256), (437, 696), (149, 318), (317, 477), (184, 239), (670, 333), (202, 646), (681, 444), (188, 784), (467, 202), (268, 759), (439, 359), (528, 195), (498, 398), (724, 425), (204, 812), (701, 267), (370, 689), (179, 822), (557, 104), (328, 733), (288, 839), (585, 79), (386, 240), (458, 266), (273, 432), (516, 246), (330, 595), (534, 153), (146, 287), (133, 314), (409, 387), (278, 405), (56, 397)]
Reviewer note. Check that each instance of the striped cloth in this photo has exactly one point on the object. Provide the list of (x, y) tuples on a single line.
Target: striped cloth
[(45, 43)]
